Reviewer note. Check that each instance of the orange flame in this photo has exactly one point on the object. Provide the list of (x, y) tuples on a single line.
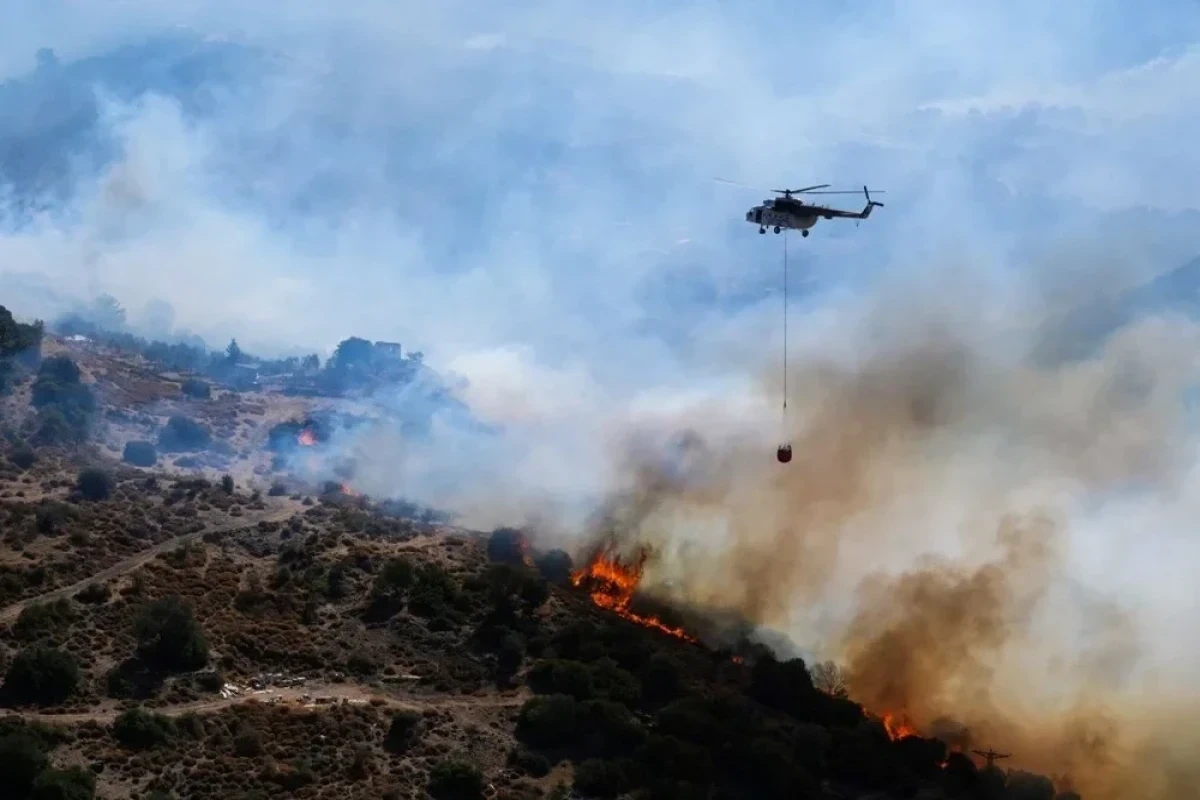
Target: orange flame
[(898, 726), (306, 437), (612, 586), (347, 490)]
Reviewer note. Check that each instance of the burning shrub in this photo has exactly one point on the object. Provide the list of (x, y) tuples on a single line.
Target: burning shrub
[(95, 484), (140, 454), (42, 676), (181, 434)]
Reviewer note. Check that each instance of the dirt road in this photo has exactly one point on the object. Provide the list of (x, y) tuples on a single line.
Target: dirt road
[(11, 612), (303, 697)]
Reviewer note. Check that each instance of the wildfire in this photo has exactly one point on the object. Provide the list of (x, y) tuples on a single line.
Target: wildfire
[(306, 438), (898, 726), (612, 586), (347, 490)]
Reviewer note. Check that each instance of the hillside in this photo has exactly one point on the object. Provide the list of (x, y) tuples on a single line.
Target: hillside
[(183, 615)]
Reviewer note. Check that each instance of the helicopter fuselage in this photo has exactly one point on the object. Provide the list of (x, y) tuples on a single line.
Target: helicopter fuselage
[(766, 216)]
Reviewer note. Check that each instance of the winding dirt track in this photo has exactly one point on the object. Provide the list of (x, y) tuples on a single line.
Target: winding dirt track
[(303, 697), (306, 697), (11, 612)]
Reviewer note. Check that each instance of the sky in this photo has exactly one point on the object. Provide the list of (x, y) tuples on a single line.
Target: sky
[(524, 192)]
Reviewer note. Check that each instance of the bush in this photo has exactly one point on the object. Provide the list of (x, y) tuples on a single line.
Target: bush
[(555, 567), (455, 780), (21, 761), (138, 729), (547, 721), (248, 743), (506, 546), (402, 732), (140, 454), (227, 484), (196, 389), (169, 637), (22, 456), (72, 783), (41, 675), (95, 484), (41, 619), (529, 762), (181, 434), (596, 778)]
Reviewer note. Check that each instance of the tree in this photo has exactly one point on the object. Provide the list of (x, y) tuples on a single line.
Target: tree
[(95, 484), (140, 454), (107, 313), (169, 636), (139, 729), (829, 678), (21, 761), (41, 675), (455, 780), (233, 353), (72, 783), (351, 353), (183, 434)]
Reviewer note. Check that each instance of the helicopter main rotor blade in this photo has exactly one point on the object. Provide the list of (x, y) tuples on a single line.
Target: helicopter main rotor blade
[(742, 185), (878, 191)]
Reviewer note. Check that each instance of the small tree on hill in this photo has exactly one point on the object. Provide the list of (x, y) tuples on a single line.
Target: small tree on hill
[(140, 454), (169, 637), (41, 675), (95, 484), (72, 783), (21, 761), (455, 780)]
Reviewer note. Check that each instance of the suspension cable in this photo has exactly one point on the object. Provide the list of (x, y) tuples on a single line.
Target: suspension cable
[(785, 327)]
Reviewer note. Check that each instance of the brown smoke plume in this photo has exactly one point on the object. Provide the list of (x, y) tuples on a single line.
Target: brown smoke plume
[(927, 532)]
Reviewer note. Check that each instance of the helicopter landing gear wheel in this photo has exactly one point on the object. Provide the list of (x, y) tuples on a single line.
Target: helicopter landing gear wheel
[(762, 230), (804, 234), (777, 229)]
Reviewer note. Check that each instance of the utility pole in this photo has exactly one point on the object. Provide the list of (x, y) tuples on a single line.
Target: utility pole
[(990, 756)]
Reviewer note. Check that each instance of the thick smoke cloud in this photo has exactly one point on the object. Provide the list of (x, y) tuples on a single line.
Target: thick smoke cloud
[(527, 199)]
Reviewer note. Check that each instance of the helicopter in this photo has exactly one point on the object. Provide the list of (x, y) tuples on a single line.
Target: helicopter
[(790, 212)]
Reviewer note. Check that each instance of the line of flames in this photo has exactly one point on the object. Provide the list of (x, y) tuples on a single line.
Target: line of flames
[(612, 585)]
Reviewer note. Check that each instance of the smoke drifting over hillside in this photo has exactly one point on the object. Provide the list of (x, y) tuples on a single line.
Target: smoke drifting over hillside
[(962, 531), (975, 535)]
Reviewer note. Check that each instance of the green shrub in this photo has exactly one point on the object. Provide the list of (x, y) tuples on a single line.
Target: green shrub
[(455, 780), (72, 783), (139, 729), (22, 759), (548, 721), (140, 454), (169, 637), (95, 484), (41, 675)]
